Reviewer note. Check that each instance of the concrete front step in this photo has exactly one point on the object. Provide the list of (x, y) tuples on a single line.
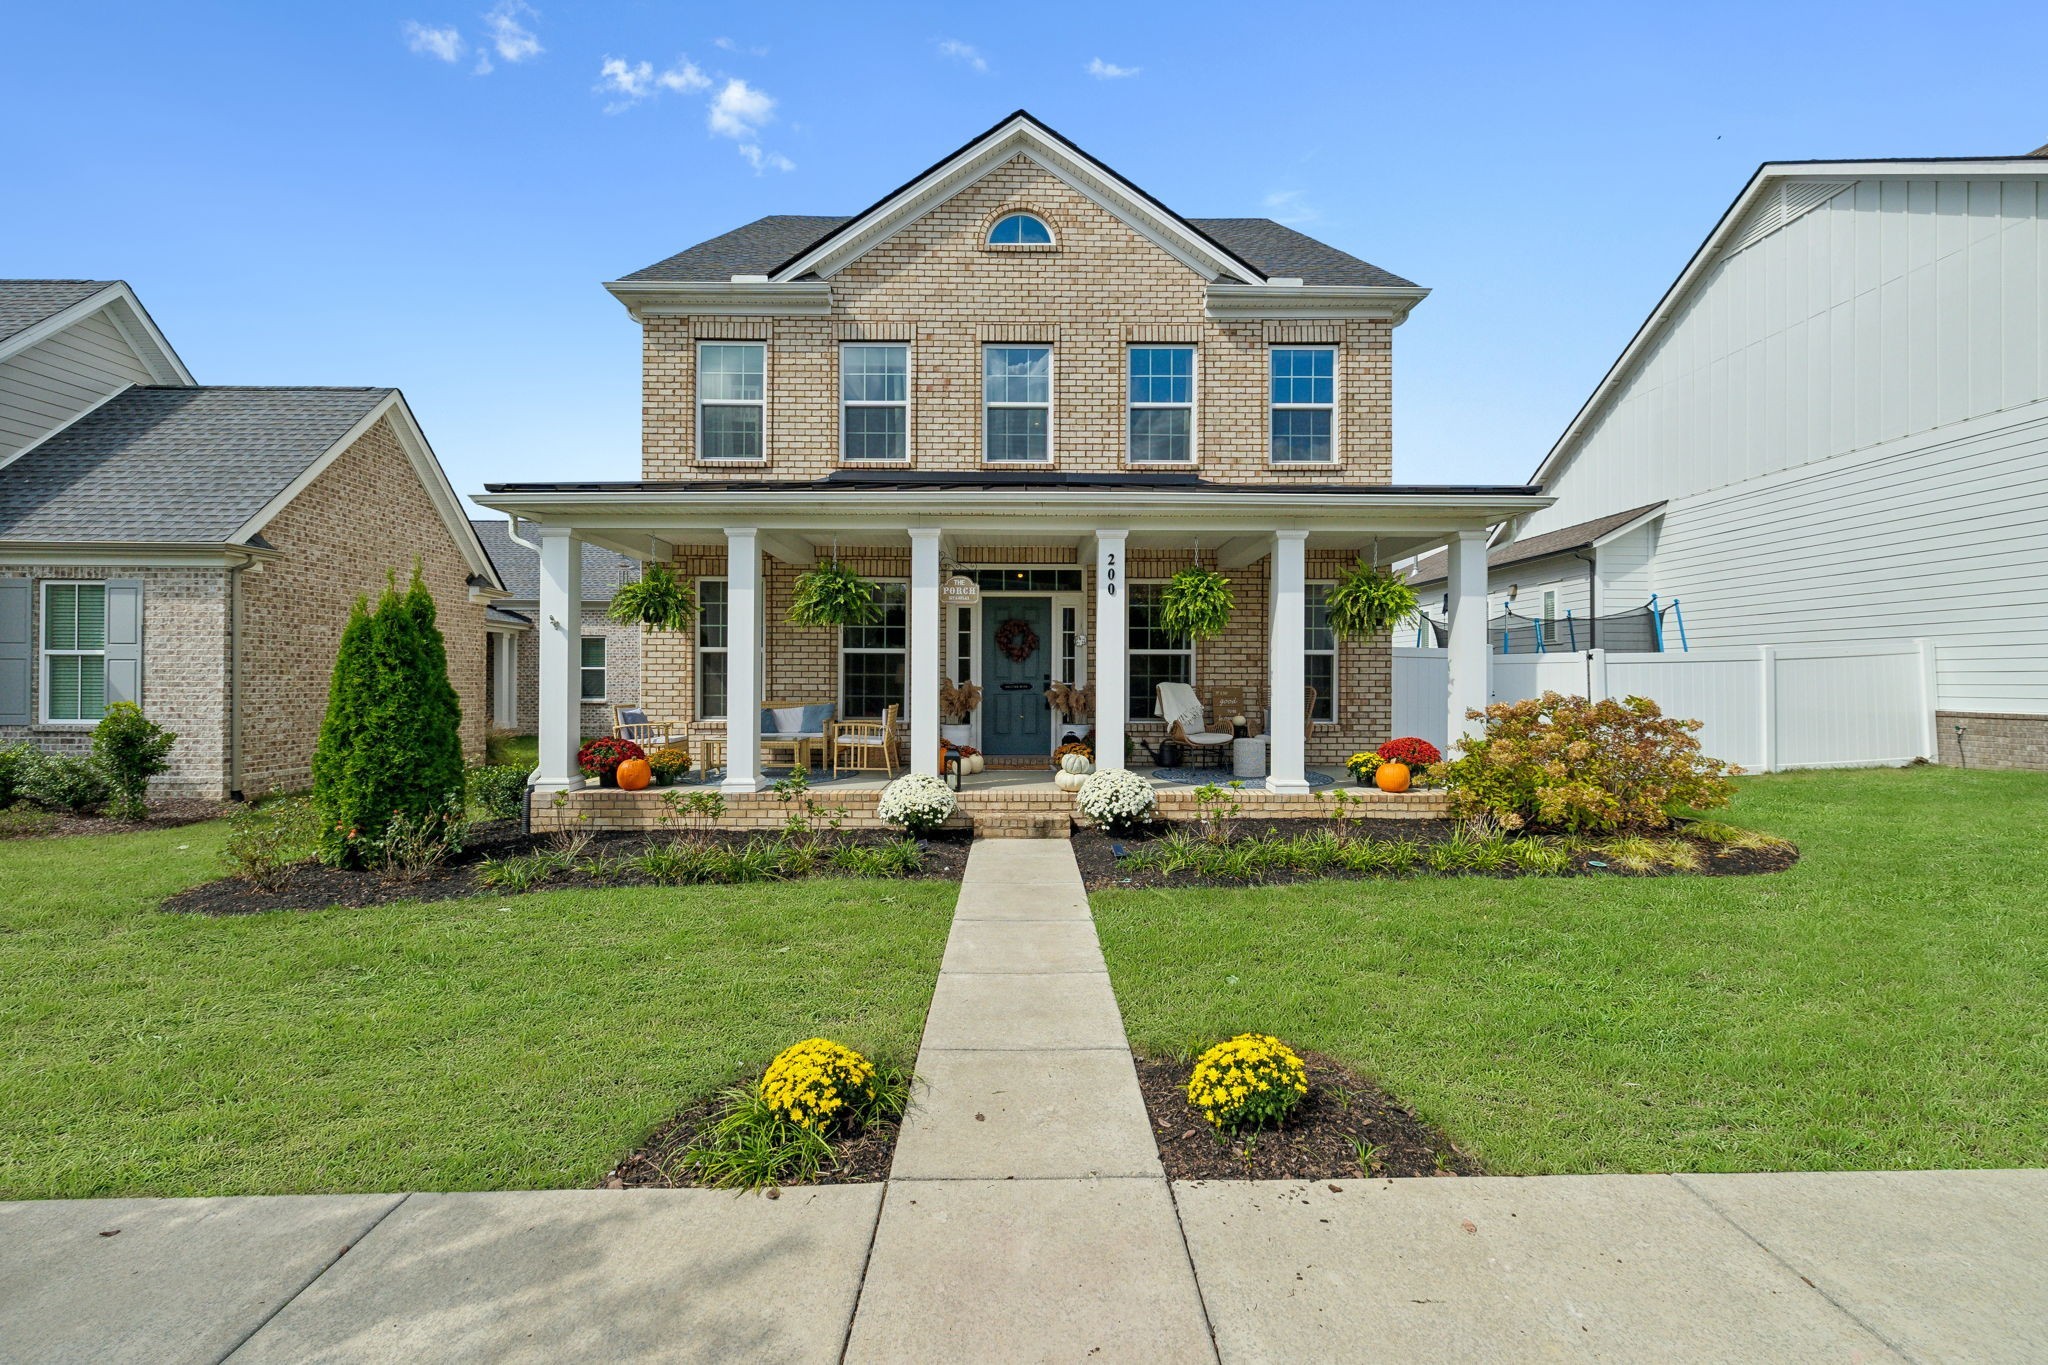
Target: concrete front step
[(1022, 826)]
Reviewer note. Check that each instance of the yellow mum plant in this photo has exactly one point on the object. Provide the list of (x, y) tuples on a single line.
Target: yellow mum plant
[(816, 1083), (1249, 1081)]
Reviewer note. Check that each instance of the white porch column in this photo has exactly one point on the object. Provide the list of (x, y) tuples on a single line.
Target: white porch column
[(745, 599), (561, 659), (1287, 735), (1112, 665), (924, 649), (1468, 689)]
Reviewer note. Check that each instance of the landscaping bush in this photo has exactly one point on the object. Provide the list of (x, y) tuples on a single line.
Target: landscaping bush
[(1564, 763), (497, 792), (63, 782), (14, 759), (130, 749), (918, 802), (1251, 1081), (1416, 753), (266, 842), (600, 758), (751, 1142), (414, 847), (1116, 799), (391, 741), (817, 1083)]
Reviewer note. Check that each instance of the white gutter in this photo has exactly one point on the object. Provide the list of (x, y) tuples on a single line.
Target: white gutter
[(680, 298), (1372, 301)]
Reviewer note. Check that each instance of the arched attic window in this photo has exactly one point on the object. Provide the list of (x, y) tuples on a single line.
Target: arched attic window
[(1020, 229)]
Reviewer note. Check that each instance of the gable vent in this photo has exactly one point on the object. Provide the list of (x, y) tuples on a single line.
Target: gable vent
[(1782, 203)]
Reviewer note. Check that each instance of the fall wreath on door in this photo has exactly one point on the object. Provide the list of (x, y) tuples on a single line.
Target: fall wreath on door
[(1017, 640)]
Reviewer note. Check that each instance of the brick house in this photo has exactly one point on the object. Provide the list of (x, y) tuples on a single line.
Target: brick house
[(195, 548), (608, 651), (1018, 392)]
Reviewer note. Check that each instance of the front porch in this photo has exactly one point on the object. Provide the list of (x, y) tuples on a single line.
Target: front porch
[(1068, 567)]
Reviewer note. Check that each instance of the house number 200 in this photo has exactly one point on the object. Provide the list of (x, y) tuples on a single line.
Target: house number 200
[(1109, 577)]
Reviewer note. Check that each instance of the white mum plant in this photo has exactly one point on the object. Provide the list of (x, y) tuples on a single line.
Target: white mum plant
[(919, 802), (1117, 799)]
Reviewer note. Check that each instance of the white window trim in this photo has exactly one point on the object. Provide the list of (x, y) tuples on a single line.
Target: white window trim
[(1051, 390), (1131, 651), (1052, 239), (909, 387), (44, 653), (1333, 407), (1336, 661), (1193, 405), (699, 649), (903, 712), (604, 693), (697, 382)]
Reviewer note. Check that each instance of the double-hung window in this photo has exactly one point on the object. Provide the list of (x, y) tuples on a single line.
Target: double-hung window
[(1162, 404), (1304, 387), (593, 668), (713, 616), (1156, 654), (732, 400), (1016, 395), (872, 658), (74, 652), (1320, 653), (874, 402)]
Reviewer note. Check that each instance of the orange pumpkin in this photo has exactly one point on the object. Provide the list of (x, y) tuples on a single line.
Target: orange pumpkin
[(634, 774), (1388, 777)]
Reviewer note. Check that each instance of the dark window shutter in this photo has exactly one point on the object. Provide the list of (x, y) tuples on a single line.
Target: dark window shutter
[(124, 640), (17, 598)]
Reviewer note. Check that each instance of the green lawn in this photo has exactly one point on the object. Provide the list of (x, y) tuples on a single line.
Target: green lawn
[(500, 1043), (1882, 1004)]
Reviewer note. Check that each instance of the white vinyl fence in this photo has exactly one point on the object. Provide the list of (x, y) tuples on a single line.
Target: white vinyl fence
[(1766, 707)]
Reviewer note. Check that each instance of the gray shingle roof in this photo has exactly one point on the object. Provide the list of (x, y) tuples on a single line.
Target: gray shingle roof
[(1434, 567), (519, 568), (24, 303), (766, 243), (156, 465)]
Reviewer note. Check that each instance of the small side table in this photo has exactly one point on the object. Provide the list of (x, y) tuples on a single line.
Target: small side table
[(1248, 756), (711, 750)]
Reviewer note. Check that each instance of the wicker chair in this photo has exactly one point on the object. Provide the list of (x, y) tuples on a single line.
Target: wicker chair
[(865, 745), (631, 722), (1186, 726)]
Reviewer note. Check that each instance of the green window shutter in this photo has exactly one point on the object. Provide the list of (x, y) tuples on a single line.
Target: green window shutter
[(124, 640), (17, 597)]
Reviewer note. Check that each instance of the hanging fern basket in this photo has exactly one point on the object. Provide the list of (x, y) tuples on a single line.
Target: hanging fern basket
[(1369, 601), (658, 600), (1196, 604), (834, 595)]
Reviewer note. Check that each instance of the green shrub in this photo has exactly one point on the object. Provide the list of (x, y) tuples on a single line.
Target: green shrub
[(266, 842), (414, 847), (391, 742), (13, 759), (130, 748), (1564, 763), (63, 782), (497, 791)]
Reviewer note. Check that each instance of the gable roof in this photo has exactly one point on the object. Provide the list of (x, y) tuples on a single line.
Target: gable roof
[(1435, 566), (24, 303), (31, 311), (519, 565), (1726, 234)]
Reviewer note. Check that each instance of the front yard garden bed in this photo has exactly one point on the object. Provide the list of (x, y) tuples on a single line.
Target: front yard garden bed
[(496, 859), (1345, 1128), (1272, 852), (661, 1163), (24, 821)]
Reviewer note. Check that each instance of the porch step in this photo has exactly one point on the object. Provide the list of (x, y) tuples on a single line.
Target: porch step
[(1021, 826)]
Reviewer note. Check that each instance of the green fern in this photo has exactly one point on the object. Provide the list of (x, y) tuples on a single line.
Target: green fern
[(658, 599), (1196, 604), (1369, 601), (834, 595)]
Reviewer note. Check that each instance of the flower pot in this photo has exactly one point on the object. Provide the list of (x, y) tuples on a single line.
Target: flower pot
[(957, 735)]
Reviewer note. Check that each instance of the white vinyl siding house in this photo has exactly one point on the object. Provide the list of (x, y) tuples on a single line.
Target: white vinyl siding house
[(1844, 405)]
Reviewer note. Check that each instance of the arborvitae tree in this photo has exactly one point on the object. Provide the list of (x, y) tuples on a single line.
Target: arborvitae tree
[(391, 742)]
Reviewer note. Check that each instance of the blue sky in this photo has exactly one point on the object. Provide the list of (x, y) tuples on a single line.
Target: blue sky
[(428, 194)]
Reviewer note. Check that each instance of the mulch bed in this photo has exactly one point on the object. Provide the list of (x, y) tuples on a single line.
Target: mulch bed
[(166, 814), (860, 1158), (313, 886), (1314, 1143), (1102, 868)]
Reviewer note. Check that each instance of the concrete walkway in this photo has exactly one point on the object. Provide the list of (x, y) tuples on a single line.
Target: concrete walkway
[(1027, 1218)]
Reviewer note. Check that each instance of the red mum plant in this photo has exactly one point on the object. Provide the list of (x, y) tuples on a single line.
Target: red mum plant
[(1416, 753), (601, 757)]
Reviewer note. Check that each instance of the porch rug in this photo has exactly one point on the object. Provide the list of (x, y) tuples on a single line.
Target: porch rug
[(1195, 777)]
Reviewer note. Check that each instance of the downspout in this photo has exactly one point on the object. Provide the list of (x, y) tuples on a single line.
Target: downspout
[(234, 716)]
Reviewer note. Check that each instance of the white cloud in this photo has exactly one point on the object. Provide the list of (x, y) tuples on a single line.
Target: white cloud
[(738, 110), (1110, 71), (963, 52), (760, 160), (514, 41), (683, 77), (728, 45), (444, 44), (1291, 206), (633, 82)]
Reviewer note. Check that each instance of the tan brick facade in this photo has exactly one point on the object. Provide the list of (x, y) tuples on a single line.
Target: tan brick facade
[(1993, 739), (622, 670), (936, 286), (365, 515)]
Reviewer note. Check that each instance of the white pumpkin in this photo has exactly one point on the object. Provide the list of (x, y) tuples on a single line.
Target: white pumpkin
[(975, 763), (1076, 763), (1068, 781)]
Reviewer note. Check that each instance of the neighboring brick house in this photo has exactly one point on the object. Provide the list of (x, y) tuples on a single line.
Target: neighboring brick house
[(1020, 393), (196, 548), (608, 651)]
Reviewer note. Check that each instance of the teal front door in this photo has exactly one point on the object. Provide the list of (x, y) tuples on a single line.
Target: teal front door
[(1016, 644)]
